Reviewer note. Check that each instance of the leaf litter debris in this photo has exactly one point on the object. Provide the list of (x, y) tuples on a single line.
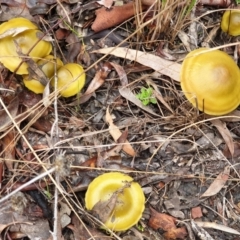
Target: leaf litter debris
[(185, 160)]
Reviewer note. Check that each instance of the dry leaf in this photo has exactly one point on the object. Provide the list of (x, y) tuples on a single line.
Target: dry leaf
[(161, 65), (166, 223), (225, 133), (121, 73), (175, 233), (218, 183), (161, 220), (116, 134), (227, 153), (117, 14), (103, 156), (217, 226), (104, 209)]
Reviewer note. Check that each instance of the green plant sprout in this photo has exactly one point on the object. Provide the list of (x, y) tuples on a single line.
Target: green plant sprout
[(140, 227), (47, 192), (146, 96)]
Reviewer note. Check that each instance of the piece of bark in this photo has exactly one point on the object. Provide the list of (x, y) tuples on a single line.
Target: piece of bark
[(106, 18)]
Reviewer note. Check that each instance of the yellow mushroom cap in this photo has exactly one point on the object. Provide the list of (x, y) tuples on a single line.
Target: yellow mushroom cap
[(71, 79), (47, 65), (130, 204), (33, 85), (25, 40), (230, 22), (16, 25), (210, 80)]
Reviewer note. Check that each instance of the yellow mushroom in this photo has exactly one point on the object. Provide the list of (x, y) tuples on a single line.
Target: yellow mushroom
[(71, 79), (15, 26), (130, 202), (47, 65), (230, 22), (210, 80), (25, 41)]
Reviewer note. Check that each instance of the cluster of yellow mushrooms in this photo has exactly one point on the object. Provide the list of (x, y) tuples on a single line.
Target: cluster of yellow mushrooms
[(210, 79), (21, 38)]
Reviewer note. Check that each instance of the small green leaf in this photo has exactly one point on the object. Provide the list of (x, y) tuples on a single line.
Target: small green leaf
[(153, 100), (146, 96)]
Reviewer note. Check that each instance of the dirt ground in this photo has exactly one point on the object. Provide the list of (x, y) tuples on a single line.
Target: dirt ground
[(127, 113)]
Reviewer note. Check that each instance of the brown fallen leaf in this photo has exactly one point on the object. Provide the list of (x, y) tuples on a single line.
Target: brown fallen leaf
[(168, 224), (117, 14), (225, 133), (218, 183), (121, 73), (103, 156), (116, 134), (161, 221), (165, 67), (227, 153), (176, 233), (104, 209)]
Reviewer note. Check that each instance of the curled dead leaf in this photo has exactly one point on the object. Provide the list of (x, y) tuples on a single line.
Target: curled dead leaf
[(116, 134)]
